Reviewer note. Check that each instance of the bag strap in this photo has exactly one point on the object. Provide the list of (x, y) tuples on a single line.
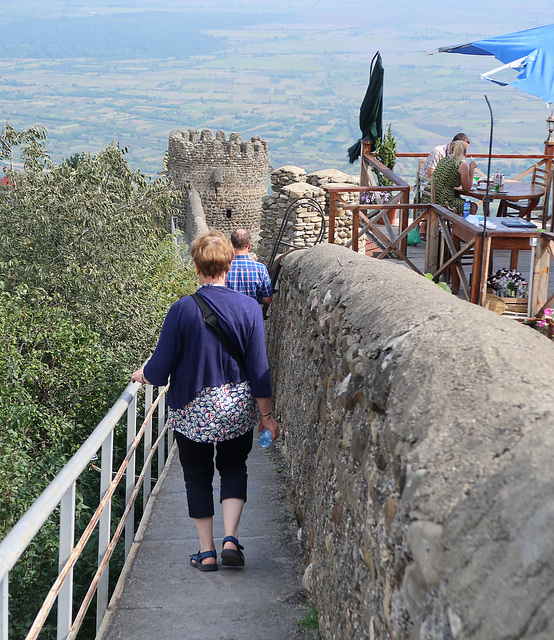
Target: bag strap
[(211, 319)]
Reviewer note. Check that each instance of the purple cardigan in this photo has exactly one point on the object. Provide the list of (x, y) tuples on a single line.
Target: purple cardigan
[(192, 354)]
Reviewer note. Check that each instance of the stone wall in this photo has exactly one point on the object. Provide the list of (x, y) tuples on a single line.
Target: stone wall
[(290, 183), (230, 176), (419, 430), (195, 218)]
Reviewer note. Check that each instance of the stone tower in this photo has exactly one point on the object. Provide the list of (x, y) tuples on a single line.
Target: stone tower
[(231, 176)]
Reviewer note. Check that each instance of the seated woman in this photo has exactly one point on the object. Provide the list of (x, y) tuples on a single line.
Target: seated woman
[(452, 172)]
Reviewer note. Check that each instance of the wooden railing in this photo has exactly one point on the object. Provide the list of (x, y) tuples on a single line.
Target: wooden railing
[(399, 199), (443, 251)]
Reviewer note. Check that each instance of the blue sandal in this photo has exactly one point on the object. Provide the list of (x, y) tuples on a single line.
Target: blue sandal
[(232, 557), (196, 560)]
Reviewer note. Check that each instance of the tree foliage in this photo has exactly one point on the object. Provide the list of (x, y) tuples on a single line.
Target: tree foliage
[(89, 235), (385, 151), (87, 273)]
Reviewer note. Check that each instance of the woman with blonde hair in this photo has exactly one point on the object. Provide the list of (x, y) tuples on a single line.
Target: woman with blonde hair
[(216, 397), (452, 172)]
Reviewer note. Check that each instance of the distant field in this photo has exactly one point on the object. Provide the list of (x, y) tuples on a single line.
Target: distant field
[(299, 88)]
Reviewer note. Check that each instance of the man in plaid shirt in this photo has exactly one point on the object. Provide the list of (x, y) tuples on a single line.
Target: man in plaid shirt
[(247, 275)]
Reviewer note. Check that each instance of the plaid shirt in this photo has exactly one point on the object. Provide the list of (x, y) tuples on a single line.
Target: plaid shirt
[(249, 277)]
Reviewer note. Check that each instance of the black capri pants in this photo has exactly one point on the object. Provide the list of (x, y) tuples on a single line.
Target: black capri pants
[(197, 460)]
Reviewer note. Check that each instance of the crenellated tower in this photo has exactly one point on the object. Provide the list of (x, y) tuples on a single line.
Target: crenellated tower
[(230, 175)]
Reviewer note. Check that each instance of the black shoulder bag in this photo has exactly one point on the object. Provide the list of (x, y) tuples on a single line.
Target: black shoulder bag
[(211, 319)]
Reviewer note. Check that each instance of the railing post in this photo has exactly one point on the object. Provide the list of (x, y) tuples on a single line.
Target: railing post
[(5, 607), (104, 527), (161, 423), (404, 220), (365, 169), (433, 238), (483, 273), (540, 265), (147, 486), (549, 153), (67, 540), (130, 474), (355, 228), (332, 214)]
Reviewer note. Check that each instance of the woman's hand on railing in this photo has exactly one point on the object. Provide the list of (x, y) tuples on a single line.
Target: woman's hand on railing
[(138, 376)]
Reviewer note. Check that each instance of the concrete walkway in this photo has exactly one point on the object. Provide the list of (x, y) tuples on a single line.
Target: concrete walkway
[(161, 597)]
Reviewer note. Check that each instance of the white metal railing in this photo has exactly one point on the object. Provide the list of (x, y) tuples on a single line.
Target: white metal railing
[(61, 492)]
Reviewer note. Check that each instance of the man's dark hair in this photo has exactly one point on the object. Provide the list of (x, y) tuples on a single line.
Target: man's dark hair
[(461, 136), (240, 239)]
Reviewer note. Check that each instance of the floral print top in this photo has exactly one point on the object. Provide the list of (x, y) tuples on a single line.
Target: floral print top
[(216, 413)]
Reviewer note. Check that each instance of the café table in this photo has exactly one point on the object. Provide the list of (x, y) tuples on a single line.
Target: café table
[(460, 231), (511, 190)]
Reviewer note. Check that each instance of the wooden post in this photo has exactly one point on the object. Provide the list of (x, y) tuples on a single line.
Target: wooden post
[(364, 167), (483, 275), (549, 151), (404, 221), (455, 277), (433, 239), (476, 270), (355, 228), (332, 209), (541, 265)]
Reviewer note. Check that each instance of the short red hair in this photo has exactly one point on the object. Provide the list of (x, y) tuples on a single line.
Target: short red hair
[(212, 253)]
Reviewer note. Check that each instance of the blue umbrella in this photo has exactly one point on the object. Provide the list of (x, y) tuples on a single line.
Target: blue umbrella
[(531, 52)]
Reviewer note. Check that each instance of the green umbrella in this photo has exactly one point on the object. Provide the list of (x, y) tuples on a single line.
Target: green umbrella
[(371, 110)]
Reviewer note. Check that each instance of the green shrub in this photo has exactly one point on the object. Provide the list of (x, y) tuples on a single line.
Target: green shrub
[(87, 274), (385, 152)]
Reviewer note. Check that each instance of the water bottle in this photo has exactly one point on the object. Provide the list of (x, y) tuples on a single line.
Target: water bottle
[(265, 438), (467, 208)]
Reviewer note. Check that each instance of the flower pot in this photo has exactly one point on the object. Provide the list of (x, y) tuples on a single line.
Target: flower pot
[(391, 215)]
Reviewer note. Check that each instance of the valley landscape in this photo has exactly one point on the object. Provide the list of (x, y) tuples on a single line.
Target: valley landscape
[(294, 74)]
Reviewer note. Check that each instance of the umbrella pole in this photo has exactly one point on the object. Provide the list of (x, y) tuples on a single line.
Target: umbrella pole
[(364, 168), (486, 207)]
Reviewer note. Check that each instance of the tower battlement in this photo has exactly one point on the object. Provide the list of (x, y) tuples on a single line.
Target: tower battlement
[(229, 174), (203, 144)]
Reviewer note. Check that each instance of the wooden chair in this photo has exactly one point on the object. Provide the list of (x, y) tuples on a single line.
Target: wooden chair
[(467, 259), (543, 178), (417, 186)]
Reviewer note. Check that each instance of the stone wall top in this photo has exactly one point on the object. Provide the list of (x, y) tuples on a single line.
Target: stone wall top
[(301, 190), (331, 176)]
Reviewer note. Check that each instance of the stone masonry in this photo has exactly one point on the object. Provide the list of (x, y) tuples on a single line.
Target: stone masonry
[(230, 176), (419, 431), (290, 183)]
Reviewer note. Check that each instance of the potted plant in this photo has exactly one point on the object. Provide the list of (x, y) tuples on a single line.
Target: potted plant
[(381, 197), (385, 152)]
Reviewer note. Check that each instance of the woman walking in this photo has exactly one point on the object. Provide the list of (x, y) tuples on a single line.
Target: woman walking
[(215, 398)]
